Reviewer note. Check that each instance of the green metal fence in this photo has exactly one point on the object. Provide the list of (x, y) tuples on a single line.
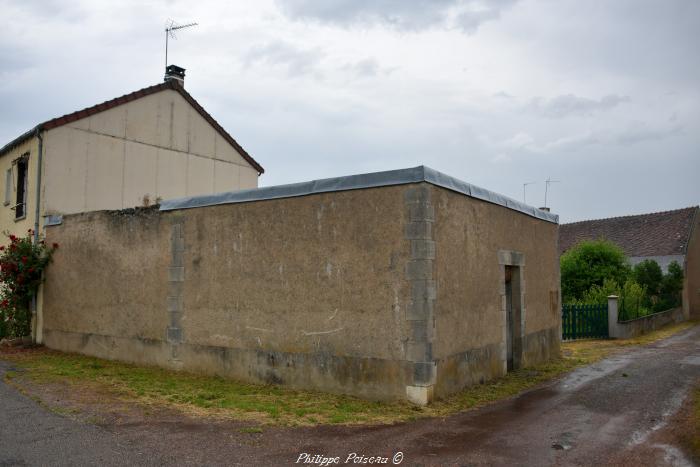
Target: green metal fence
[(584, 321)]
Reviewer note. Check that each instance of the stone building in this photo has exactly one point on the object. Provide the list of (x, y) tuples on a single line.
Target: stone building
[(406, 284)]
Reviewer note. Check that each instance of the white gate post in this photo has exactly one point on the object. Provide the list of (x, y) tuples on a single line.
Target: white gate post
[(613, 329)]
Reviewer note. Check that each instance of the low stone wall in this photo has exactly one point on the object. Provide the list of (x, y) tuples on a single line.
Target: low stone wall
[(643, 325)]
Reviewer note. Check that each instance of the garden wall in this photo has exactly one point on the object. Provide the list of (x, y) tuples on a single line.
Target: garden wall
[(637, 327)]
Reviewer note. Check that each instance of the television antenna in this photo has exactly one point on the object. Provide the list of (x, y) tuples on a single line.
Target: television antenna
[(548, 182), (170, 27), (524, 185)]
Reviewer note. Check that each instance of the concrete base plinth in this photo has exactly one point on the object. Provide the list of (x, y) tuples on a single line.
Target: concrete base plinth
[(419, 395)]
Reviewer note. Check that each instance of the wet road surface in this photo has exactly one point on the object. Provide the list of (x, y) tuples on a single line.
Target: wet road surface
[(609, 413)]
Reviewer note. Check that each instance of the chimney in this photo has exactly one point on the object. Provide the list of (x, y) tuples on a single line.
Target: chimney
[(175, 73), (544, 209)]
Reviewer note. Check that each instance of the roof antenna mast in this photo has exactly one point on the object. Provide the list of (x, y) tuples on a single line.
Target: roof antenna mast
[(170, 27), (548, 182)]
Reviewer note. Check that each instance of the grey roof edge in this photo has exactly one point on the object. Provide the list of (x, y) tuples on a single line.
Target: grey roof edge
[(356, 182), (19, 140)]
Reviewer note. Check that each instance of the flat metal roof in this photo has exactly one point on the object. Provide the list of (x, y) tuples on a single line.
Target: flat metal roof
[(358, 182)]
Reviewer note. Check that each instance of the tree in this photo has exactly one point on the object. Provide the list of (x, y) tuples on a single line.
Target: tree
[(671, 288), (590, 263), (648, 274)]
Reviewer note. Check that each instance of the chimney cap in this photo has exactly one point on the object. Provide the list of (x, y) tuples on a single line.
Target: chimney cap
[(176, 73)]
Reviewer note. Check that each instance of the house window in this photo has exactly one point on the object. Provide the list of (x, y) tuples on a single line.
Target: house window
[(21, 204), (8, 187)]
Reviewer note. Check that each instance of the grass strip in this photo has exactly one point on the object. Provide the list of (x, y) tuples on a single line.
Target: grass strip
[(277, 405)]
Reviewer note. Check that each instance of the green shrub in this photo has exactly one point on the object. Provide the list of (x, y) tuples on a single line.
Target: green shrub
[(590, 263), (634, 300), (22, 263), (671, 288), (648, 274), (598, 294)]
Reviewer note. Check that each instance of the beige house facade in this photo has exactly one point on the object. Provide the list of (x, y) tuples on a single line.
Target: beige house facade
[(153, 144)]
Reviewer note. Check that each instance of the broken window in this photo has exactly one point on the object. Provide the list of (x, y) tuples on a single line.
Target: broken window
[(21, 204)]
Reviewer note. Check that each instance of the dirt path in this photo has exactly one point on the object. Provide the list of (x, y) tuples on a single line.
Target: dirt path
[(620, 411)]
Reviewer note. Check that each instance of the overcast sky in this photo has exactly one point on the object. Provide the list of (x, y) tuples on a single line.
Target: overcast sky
[(602, 95)]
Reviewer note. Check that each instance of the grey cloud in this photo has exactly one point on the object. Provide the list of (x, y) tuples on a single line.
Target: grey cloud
[(15, 59), (571, 105), (466, 15), (53, 9), (366, 68), (641, 132), (474, 14), (296, 61), (503, 95), (632, 134)]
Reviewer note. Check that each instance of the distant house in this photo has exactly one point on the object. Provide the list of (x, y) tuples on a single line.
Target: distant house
[(154, 143), (662, 236)]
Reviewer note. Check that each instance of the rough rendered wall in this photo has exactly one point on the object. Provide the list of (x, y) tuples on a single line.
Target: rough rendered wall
[(692, 272), (309, 291), (473, 240)]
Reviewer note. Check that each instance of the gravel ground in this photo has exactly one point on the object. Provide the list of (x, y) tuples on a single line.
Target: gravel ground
[(620, 411)]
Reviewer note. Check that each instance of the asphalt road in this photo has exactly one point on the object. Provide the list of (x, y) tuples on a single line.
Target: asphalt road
[(31, 435), (610, 413)]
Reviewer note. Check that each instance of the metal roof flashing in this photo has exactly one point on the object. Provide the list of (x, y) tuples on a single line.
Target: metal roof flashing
[(357, 182)]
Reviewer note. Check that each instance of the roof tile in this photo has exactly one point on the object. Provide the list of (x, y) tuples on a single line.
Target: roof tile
[(655, 234)]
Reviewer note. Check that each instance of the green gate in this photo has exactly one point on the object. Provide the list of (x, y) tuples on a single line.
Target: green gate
[(584, 321)]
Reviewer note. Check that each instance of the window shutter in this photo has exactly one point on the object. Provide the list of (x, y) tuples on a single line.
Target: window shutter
[(8, 187)]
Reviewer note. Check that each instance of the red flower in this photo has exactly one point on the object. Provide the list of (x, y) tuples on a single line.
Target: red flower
[(2, 247), (55, 245), (24, 259), (13, 238)]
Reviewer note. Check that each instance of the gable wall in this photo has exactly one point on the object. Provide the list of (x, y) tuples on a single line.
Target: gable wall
[(692, 272), (156, 147)]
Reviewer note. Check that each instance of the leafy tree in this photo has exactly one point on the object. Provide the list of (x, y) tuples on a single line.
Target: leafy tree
[(648, 274), (598, 294), (634, 300), (671, 288), (590, 263)]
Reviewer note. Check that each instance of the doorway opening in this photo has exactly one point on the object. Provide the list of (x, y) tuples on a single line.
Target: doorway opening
[(513, 318)]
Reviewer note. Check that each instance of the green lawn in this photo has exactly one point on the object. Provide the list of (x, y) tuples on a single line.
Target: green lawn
[(277, 405)]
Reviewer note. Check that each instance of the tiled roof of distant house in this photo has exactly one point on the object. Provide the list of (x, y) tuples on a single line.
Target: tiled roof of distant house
[(655, 234)]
